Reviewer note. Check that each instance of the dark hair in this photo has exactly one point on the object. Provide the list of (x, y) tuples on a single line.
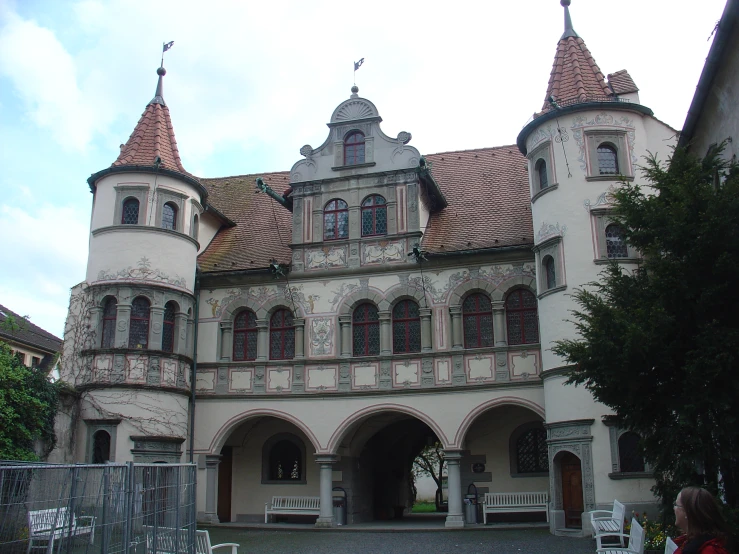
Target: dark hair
[(703, 513)]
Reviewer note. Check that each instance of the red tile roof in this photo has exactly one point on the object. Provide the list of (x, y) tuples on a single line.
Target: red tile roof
[(487, 191), (621, 82), (575, 75)]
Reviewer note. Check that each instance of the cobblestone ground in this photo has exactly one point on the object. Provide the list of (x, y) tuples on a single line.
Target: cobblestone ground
[(526, 541)]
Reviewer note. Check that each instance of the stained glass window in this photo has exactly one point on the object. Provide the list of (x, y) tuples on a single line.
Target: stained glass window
[(366, 330), (285, 462), (168, 327), (169, 216), (281, 336), (335, 220), (406, 327), (607, 160), (615, 243), (629, 458), (100, 447), (109, 316), (245, 336), (374, 216), (354, 148), (138, 331), (541, 170), (521, 317), (477, 318), (550, 272), (531, 451), (130, 214)]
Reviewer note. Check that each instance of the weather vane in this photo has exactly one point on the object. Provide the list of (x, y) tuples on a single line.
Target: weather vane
[(357, 65), (166, 46)]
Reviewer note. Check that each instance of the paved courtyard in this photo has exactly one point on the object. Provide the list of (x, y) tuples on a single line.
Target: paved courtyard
[(500, 541)]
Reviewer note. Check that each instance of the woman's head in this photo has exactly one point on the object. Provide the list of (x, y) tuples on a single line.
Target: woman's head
[(697, 512)]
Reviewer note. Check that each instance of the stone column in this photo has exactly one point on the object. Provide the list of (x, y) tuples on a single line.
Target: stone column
[(96, 318), (457, 329), (326, 463), (299, 323), (122, 319), (211, 490), (426, 343), (227, 338), (262, 340), (355, 222), (156, 322), (386, 337), (499, 330), (454, 516), (189, 346), (180, 333), (345, 323)]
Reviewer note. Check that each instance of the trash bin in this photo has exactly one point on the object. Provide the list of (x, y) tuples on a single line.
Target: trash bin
[(470, 511), (339, 505)]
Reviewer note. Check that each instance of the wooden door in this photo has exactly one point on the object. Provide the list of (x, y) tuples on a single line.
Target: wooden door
[(224, 484), (572, 501)]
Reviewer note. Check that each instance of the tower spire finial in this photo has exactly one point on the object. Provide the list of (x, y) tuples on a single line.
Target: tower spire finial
[(569, 31), (159, 94)]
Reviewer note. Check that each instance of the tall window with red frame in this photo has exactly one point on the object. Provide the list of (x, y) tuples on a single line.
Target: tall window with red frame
[(281, 336), (110, 311), (366, 330), (406, 327), (170, 308), (245, 336), (130, 212), (374, 216), (335, 220), (477, 318), (354, 148), (521, 317), (138, 330)]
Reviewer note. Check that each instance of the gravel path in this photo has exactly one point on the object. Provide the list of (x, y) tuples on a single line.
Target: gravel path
[(527, 541)]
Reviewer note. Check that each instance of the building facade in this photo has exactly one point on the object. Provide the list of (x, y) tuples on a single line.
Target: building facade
[(371, 302)]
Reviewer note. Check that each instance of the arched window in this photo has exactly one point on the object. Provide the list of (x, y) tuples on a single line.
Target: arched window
[(110, 311), (629, 458), (477, 320), (245, 336), (170, 308), (521, 317), (138, 329), (195, 228), (335, 220), (283, 459), (374, 216), (541, 172), (607, 160), (100, 447), (550, 272), (130, 212), (531, 451), (169, 216), (615, 243), (354, 148), (406, 327), (366, 330), (281, 336)]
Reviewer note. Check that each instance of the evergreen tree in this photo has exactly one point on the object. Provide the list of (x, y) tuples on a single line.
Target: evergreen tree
[(660, 345)]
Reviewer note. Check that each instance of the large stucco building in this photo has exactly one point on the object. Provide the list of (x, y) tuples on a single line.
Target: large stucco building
[(373, 300)]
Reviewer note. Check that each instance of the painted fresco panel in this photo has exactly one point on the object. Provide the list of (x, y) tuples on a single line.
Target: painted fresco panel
[(169, 372), (136, 367), (322, 378), (241, 380), (524, 364), (206, 381), (406, 374), (364, 376), (321, 336), (443, 371), (279, 379), (480, 368)]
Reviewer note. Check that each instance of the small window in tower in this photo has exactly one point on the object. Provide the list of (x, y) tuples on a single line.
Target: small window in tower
[(130, 214), (100, 447), (169, 216), (110, 312), (354, 148), (550, 272), (170, 309), (138, 329), (195, 230), (541, 172), (607, 159)]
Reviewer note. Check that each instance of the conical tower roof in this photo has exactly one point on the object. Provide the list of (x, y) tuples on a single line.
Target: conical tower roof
[(152, 143), (575, 76)]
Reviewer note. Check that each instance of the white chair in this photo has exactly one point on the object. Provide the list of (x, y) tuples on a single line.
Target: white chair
[(670, 546), (203, 546), (636, 541), (609, 523)]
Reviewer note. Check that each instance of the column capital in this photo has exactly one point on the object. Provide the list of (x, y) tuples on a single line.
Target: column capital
[(424, 312), (498, 305), (453, 456), (262, 323), (326, 458), (345, 320), (455, 310), (157, 309), (299, 322), (384, 315), (226, 325), (212, 460)]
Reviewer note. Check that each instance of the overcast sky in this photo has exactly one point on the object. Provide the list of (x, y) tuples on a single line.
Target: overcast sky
[(248, 83)]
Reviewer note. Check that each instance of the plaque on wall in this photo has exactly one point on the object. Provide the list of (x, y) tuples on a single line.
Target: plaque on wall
[(478, 468)]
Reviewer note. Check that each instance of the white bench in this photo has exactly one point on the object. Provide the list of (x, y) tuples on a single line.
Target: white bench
[(636, 541), (292, 505), (506, 502), (611, 523), (166, 541), (46, 526)]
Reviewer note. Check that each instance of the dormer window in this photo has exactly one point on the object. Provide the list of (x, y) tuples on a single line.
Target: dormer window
[(374, 216), (335, 220), (354, 148)]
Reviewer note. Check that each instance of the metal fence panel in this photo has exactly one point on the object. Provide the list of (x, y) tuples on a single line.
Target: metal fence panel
[(106, 509)]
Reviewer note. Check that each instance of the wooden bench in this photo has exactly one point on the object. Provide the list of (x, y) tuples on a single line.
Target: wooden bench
[(292, 505), (611, 523), (507, 502), (46, 526), (164, 540), (636, 541)]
